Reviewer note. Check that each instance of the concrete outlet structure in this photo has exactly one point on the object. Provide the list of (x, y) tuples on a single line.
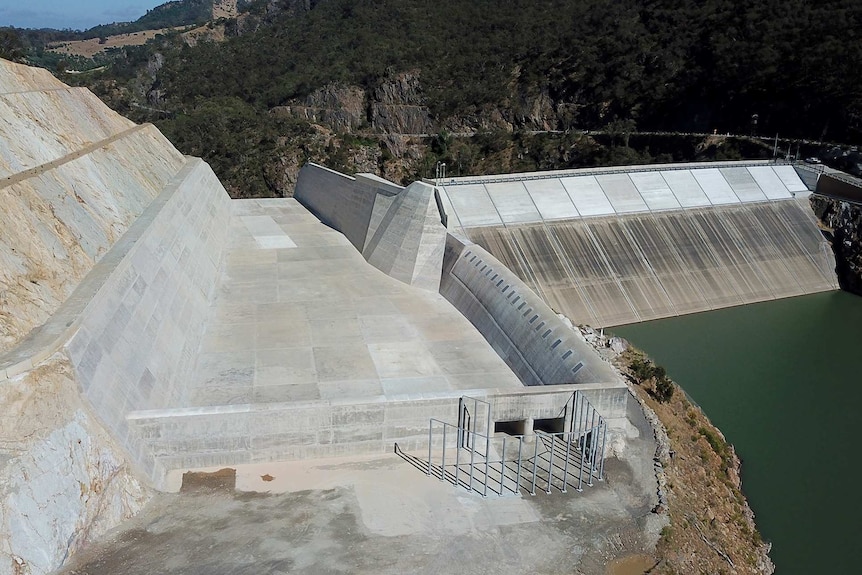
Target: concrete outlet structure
[(150, 325)]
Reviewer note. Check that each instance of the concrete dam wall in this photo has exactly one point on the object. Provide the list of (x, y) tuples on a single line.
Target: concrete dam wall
[(151, 325), (613, 248), (516, 322), (519, 326)]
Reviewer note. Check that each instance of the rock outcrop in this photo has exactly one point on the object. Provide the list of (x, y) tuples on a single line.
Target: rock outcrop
[(75, 177), (398, 106), (63, 481), (67, 189), (841, 222), (340, 108)]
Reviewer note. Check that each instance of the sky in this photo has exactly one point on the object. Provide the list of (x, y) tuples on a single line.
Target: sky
[(73, 14)]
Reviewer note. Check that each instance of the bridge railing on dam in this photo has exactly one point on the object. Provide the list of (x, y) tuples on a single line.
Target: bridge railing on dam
[(551, 196)]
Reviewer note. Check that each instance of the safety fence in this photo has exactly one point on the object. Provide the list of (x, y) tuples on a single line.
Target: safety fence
[(467, 455)]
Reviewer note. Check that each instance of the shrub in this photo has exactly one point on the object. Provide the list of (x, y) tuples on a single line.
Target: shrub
[(663, 389)]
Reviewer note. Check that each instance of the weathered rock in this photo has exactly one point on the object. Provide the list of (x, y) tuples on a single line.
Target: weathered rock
[(843, 223), (65, 482), (81, 196), (340, 108), (224, 9), (398, 106)]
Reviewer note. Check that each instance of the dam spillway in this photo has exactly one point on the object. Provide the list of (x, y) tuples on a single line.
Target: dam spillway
[(613, 246)]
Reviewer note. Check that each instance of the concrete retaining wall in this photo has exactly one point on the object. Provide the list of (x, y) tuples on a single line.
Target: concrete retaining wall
[(840, 187), (138, 336), (400, 231), (231, 435), (526, 333), (342, 202)]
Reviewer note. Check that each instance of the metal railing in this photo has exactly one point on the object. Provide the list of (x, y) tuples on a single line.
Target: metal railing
[(511, 463), (501, 178), (569, 452)]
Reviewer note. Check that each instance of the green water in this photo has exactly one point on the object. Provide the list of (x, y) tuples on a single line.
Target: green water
[(782, 381)]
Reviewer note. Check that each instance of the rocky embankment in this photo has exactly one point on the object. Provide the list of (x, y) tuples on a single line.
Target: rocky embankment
[(711, 527), (841, 222)]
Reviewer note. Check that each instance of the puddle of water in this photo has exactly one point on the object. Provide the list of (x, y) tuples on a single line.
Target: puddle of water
[(631, 565)]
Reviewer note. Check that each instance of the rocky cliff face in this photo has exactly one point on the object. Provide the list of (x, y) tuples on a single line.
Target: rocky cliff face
[(224, 9), (398, 106), (339, 108), (842, 224), (63, 480)]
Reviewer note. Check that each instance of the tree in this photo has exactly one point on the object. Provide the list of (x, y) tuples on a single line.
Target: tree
[(11, 46)]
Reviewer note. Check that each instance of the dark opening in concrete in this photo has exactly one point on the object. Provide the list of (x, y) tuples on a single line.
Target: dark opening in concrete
[(518, 427), (550, 425)]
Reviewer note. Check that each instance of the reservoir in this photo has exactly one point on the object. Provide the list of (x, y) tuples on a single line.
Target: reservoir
[(782, 381)]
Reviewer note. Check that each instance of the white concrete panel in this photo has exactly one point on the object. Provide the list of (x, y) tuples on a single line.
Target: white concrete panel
[(686, 189), (551, 199), (790, 178), (715, 187), (274, 242), (743, 185), (622, 193), (513, 202), (261, 226), (771, 184), (587, 195), (655, 191), (473, 205)]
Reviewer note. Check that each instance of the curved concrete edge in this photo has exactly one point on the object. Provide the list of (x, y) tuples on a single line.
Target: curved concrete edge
[(521, 327)]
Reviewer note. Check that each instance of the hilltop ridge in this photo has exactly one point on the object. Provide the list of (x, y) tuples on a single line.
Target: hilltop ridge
[(487, 88)]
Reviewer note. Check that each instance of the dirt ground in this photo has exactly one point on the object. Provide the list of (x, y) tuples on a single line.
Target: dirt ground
[(383, 515), (91, 47)]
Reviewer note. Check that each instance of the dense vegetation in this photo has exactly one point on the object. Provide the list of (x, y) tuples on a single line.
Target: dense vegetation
[(671, 64), (621, 66)]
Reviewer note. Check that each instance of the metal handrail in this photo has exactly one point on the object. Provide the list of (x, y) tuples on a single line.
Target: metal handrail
[(467, 180), (589, 443)]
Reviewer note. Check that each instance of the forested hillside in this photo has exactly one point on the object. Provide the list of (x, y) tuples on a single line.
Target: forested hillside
[(394, 86)]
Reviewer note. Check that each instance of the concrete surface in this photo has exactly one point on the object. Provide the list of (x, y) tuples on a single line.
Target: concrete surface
[(534, 342), (505, 200), (398, 230), (382, 515), (315, 321), (613, 271)]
